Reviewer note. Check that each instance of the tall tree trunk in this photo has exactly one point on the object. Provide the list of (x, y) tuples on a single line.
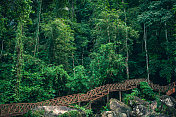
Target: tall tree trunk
[(109, 38), (51, 47), (127, 54), (126, 45), (38, 27), (19, 58), (82, 56), (2, 47), (73, 9), (73, 64), (146, 53), (72, 17), (167, 41)]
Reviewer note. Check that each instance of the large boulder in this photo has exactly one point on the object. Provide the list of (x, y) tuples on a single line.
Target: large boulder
[(113, 114), (109, 114), (138, 101), (153, 105), (170, 104), (120, 108), (52, 111), (143, 111), (168, 100), (157, 115), (141, 108), (140, 111)]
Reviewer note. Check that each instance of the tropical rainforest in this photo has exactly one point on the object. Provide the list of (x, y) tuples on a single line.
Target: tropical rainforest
[(52, 48)]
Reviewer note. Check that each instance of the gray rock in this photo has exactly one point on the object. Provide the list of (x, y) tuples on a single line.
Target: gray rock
[(168, 100), (157, 115), (170, 103), (109, 114), (138, 101), (52, 111), (153, 105), (141, 108), (140, 111), (113, 114), (119, 108), (124, 115)]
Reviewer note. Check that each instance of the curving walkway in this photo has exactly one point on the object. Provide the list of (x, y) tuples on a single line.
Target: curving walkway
[(22, 108)]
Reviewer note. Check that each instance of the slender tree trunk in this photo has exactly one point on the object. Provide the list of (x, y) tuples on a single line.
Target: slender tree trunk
[(167, 41), (82, 56), (108, 32), (73, 9), (72, 16), (146, 53), (19, 58), (51, 47), (38, 27), (115, 40), (126, 45), (2, 47), (127, 56), (73, 64)]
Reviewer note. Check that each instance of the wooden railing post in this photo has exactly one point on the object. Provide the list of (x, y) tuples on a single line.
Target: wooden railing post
[(90, 104), (107, 98), (79, 103), (120, 95)]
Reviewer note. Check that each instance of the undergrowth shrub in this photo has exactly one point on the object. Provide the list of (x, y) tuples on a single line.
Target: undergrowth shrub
[(34, 113), (105, 108), (135, 92), (88, 112), (73, 113), (145, 92)]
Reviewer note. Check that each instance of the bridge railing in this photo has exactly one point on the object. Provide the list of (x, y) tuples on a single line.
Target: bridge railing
[(98, 92)]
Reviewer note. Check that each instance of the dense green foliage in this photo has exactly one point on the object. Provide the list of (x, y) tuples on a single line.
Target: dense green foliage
[(51, 48), (36, 113), (145, 92), (85, 111)]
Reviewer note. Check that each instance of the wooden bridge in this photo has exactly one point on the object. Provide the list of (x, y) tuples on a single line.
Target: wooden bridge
[(15, 109)]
